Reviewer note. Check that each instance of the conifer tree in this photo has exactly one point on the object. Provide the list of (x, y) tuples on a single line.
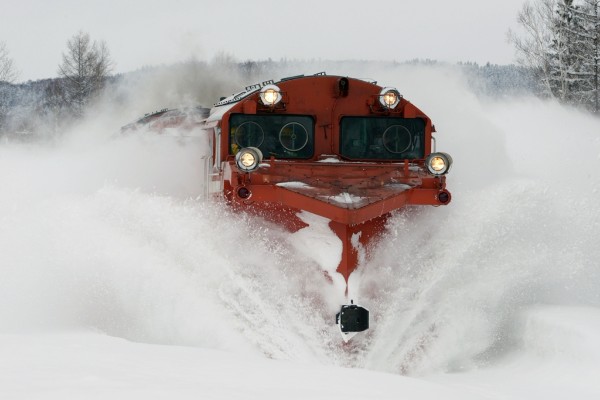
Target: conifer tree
[(590, 44)]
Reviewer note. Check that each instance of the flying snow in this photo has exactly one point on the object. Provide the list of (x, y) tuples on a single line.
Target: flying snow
[(105, 238)]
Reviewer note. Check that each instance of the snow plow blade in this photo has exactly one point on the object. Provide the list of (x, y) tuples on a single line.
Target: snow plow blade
[(351, 319)]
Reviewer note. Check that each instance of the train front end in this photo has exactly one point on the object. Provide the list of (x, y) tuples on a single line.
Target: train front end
[(345, 149)]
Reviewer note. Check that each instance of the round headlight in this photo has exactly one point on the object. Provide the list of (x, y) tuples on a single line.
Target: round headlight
[(389, 97), (438, 163), (248, 159), (270, 95)]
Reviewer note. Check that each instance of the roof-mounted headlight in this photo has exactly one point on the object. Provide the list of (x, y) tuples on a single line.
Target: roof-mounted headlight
[(438, 163), (248, 159), (389, 97), (270, 95)]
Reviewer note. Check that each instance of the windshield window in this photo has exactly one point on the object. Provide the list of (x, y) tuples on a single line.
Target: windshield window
[(282, 136), (382, 138)]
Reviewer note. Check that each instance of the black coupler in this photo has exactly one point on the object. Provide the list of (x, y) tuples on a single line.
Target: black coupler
[(352, 318)]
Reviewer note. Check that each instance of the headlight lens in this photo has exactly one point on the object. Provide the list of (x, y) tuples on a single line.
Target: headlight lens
[(270, 95), (389, 97), (438, 163), (248, 159)]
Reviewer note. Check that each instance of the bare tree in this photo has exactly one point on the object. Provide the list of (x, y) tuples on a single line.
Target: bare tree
[(7, 68), (7, 76), (86, 65), (533, 48)]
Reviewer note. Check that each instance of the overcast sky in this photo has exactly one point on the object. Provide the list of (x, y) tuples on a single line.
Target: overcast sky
[(149, 32)]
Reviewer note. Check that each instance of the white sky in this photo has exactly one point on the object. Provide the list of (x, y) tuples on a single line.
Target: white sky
[(149, 32)]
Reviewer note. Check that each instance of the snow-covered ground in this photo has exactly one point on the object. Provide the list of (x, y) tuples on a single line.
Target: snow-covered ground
[(116, 282)]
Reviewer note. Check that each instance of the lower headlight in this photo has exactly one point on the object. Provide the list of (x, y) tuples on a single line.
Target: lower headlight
[(248, 159), (438, 163)]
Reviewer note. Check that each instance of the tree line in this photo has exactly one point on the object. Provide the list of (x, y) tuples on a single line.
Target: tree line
[(41, 109), (558, 54), (45, 107), (560, 43)]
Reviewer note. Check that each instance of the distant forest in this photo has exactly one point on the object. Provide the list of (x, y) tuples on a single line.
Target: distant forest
[(43, 108)]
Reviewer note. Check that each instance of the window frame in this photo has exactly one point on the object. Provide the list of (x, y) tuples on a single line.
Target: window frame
[(417, 138), (273, 131)]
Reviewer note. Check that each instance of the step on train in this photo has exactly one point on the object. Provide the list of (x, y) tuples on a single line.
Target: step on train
[(345, 149)]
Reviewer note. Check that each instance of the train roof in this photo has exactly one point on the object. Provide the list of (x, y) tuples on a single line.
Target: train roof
[(248, 90), (226, 103)]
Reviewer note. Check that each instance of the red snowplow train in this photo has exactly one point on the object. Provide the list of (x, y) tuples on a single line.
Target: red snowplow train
[(345, 149)]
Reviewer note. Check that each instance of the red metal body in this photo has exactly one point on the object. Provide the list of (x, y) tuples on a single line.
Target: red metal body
[(357, 196)]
